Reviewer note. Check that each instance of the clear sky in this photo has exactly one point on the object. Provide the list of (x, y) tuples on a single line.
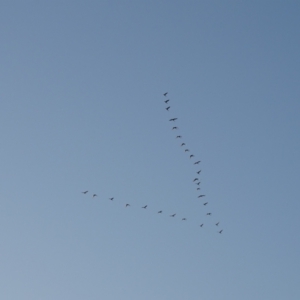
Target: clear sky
[(82, 108)]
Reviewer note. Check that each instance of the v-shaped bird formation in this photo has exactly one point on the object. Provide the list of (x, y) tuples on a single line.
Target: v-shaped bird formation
[(196, 180)]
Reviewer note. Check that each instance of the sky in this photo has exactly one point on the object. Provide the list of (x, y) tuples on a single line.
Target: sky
[(82, 108)]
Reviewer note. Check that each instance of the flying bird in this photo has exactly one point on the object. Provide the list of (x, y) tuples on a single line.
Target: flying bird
[(160, 212), (221, 231), (217, 224), (197, 162), (95, 195), (192, 155), (208, 214), (173, 119), (183, 219), (182, 144), (178, 137), (84, 192), (127, 205), (198, 183), (145, 206), (195, 179), (201, 196), (199, 172), (205, 203), (173, 215), (165, 94), (166, 101), (111, 198), (186, 150), (174, 128), (167, 108), (198, 189), (201, 225)]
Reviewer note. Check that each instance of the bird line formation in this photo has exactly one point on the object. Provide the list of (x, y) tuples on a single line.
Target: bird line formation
[(195, 161), (127, 205), (196, 179)]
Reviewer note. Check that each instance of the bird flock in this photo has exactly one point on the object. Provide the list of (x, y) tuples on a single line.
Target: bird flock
[(196, 180)]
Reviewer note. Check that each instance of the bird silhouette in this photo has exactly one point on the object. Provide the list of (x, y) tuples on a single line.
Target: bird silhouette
[(166, 101), (165, 94), (221, 231), (127, 205), (192, 155), (198, 189), (200, 196), (198, 183), (167, 108), (183, 144), (201, 225), (95, 195), (195, 179), (174, 128), (197, 162), (205, 203), (173, 119), (208, 214), (84, 192), (199, 172), (186, 150), (111, 198), (145, 206), (173, 215), (183, 219), (217, 224), (178, 137), (159, 212)]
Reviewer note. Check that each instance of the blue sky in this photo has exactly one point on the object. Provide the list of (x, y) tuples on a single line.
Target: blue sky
[(82, 108)]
